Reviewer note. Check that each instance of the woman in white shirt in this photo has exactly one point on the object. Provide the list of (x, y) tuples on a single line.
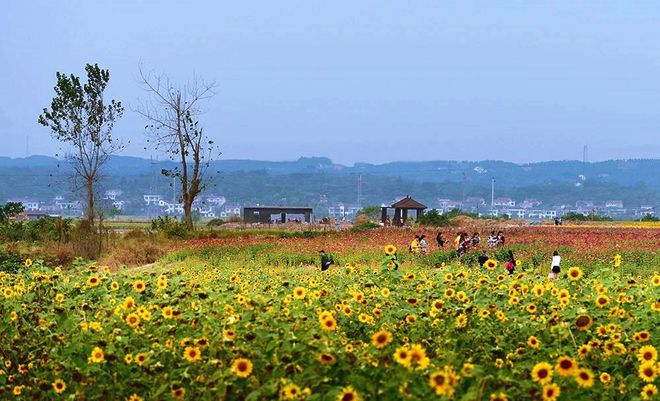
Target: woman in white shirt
[(556, 261)]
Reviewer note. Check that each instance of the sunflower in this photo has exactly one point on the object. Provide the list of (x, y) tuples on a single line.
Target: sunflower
[(96, 356), (647, 353), (648, 371), (59, 386), (134, 397), (299, 292), (461, 320), (132, 319), (192, 354), (584, 378), (141, 359), (538, 290), (583, 322), (605, 378), (491, 264), (565, 366), (574, 273), (178, 392), (329, 323), (449, 292), (533, 342), (114, 286), (641, 336), (542, 373), (402, 356), (129, 303), (390, 249), (128, 358), (655, 281), (93, 281), (348, 394), (168, 313), (443, 381), (381, 339), (551, 392), (241, 367), (418, 356), (290, 392), (325, 359), (139, 286), (649, 391), (467, 370), (602, 301)]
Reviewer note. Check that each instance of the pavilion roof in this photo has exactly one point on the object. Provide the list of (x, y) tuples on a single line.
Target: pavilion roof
[(408, 203)]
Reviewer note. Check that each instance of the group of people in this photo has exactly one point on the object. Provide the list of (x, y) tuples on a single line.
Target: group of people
[(462, 243)]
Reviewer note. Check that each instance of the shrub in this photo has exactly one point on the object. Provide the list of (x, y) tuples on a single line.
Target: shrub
[(170, 227), (215, 222)]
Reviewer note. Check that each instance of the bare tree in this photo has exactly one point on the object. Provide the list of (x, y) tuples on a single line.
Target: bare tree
[(172, 112), (80, 117)]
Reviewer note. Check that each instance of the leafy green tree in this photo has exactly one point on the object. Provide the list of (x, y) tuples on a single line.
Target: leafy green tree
[(80, 117), (10, 209), (372, 212)]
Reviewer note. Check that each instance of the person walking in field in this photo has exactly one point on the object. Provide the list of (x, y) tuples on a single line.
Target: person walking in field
[(326, 260), (414, 245), (423, 246), (555, 269), (510, 264), (482, 260), (440, 240)]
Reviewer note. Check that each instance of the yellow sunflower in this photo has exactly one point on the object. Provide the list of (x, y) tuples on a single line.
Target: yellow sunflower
[(59, 386), (542, 373), (381, 339), (584, 378), (551, 392), (574, 273), (241, 367), (647, 353), (648, 371), (390, 249), (348, 394), (192, 354), (565, 366)]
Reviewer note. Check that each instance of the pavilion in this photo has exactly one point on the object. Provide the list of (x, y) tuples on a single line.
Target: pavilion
[(401, 209)]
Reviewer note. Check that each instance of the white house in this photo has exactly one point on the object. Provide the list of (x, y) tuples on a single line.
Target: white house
[(506, 202), (150, 199), (113, 194), (614, 204), (229, 211)]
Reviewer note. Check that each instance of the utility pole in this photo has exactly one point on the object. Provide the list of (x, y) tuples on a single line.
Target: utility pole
[(492, 192), (359, 192)]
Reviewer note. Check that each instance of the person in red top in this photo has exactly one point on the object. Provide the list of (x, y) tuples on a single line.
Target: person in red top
[(510, 264)]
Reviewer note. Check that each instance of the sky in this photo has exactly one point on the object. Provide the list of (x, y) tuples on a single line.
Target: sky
[(355, 81)]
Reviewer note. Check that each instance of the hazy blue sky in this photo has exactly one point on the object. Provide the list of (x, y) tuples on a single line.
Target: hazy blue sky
[(357, 80)]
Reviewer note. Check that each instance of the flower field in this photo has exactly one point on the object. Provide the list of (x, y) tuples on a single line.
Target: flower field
[(249, 318)]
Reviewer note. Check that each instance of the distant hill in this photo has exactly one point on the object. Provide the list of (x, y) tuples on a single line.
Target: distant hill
[(303, 181)]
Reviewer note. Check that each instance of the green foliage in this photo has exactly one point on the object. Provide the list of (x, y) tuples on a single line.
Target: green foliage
[(44, 229), (372, 212), (572, 216), (10, 261), (365, 226), (170, 227), (434, 218), (649, 217), (10, 209), (215, 223)]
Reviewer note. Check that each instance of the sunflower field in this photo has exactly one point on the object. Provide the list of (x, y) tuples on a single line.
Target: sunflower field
[(231, 328)]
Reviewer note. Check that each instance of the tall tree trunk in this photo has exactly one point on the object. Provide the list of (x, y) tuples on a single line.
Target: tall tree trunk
[(90, 203), (187, 210)]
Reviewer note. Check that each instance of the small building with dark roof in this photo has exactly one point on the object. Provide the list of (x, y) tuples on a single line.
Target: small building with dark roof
[(264, 214), (401, 209)]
